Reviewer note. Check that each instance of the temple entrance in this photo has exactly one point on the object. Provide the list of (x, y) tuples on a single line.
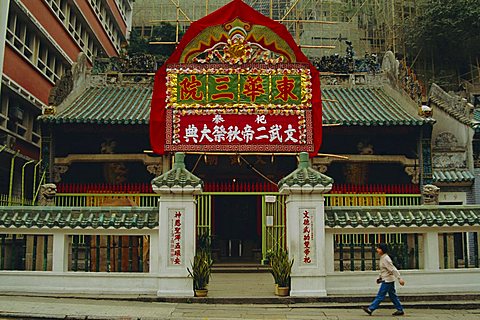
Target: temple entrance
[(242, 226), (240, 207), (237, 228)]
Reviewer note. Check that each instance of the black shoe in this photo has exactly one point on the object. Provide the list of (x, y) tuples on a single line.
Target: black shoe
[(398, 313), (367, 310)]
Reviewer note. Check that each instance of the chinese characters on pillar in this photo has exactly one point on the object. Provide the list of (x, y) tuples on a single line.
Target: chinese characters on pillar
[(176, 237), (307, 237), (239, 109)]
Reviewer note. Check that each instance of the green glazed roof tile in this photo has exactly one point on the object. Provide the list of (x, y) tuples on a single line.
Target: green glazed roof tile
[(305, 175), (178, 176), (107, 105), (79, 217), (453, 176), (341, 217), (130, 105), (452, 112), (364, 106)]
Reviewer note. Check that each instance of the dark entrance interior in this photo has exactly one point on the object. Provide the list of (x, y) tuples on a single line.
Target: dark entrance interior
[(237, 228)]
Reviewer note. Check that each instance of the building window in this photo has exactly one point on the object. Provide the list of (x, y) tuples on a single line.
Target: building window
[(18, 119), (107, 22), (122, 7), (77, 28), (27, 41), (4, 111)]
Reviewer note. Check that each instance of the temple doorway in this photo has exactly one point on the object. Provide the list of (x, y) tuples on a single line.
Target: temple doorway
[(237, 228)]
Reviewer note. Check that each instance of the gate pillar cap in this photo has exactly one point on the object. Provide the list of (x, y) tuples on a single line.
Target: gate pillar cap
[(177, 180), (305, 179)]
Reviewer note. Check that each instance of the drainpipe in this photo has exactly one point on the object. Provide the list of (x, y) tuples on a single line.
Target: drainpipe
[(35, 179), (23, 179), (12, 169), (35, 194)]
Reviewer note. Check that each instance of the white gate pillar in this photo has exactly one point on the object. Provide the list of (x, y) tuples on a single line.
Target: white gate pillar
[(306, 227), (176, 227)]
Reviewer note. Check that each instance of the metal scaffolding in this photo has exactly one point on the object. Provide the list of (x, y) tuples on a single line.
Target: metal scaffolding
[(320, 27)]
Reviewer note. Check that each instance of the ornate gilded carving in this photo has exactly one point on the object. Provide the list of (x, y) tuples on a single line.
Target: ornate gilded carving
[(430, 194), (414, 173), (356, 173), (211, 160), (364, 148), (409, 82), (49, 110), (113, 172), (450, 160), (320, 168), (446, 141), (237, 42), (61, 90), (425, 111), (155, 169), (58, 170), (47, 194), (453, 103)]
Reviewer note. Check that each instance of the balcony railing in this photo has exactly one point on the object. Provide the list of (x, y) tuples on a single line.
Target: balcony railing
[(371, 200), (151, 199)]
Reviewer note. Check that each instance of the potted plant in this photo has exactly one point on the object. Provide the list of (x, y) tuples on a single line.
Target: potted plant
[(200, 273), (281, 270)]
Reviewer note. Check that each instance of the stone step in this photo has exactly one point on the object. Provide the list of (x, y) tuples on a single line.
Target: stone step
[(240, 268)]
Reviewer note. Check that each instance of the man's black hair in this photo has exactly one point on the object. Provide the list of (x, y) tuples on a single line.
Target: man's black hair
[(383, 246)]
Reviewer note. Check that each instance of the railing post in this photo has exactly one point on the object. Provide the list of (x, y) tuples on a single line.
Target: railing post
[(305, 210), (154, 253), (329, 253), (431, 251), (60, 252), (176, 224)]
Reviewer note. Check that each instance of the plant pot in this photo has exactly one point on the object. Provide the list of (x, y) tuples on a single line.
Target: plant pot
[(276, 289), (201, 292), (283, 291)]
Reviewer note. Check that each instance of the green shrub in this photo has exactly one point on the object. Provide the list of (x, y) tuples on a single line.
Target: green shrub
[(201, 270), (281, 267)]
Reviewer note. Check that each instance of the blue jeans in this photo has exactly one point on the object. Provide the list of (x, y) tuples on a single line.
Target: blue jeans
[(386, 287)]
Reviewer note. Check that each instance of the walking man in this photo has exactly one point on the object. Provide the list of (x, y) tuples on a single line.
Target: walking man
[(388, 275)]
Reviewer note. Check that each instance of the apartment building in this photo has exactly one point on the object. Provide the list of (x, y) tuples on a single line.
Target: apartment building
[(39, 42)]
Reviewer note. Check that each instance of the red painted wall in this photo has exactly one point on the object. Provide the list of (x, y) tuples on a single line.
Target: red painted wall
[(57, 30), (118, 16), (97, 27), (22, 72)]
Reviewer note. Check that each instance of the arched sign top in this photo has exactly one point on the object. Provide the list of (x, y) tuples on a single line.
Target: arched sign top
[(238, 42), (237, 81)]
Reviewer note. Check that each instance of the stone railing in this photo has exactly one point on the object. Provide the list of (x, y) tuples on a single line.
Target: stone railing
[(118, 250)]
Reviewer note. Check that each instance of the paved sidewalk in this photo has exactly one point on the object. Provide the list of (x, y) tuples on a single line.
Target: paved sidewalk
[(28, 307)]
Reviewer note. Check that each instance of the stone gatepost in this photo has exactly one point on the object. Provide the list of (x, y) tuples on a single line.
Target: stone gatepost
[(306, 227), (176, 226)]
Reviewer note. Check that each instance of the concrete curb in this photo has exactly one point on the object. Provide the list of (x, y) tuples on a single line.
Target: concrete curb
[(420, 301)]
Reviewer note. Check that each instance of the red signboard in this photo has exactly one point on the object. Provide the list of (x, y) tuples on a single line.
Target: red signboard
[(236, 82), (238, 132), (220, 107)]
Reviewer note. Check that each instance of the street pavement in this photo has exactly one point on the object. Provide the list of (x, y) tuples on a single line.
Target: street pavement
[(36, 307)]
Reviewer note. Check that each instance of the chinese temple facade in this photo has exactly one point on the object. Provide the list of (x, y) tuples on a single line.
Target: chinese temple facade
[(256, 150)]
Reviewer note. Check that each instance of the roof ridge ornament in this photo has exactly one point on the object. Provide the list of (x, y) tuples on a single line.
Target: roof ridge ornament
[(305, 179), (178, 180)]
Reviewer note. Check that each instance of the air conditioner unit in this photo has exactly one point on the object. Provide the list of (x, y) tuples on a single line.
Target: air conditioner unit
[(11, 142)]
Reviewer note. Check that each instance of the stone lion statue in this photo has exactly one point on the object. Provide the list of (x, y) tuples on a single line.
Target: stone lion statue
[(47, 194), (430, 194)]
